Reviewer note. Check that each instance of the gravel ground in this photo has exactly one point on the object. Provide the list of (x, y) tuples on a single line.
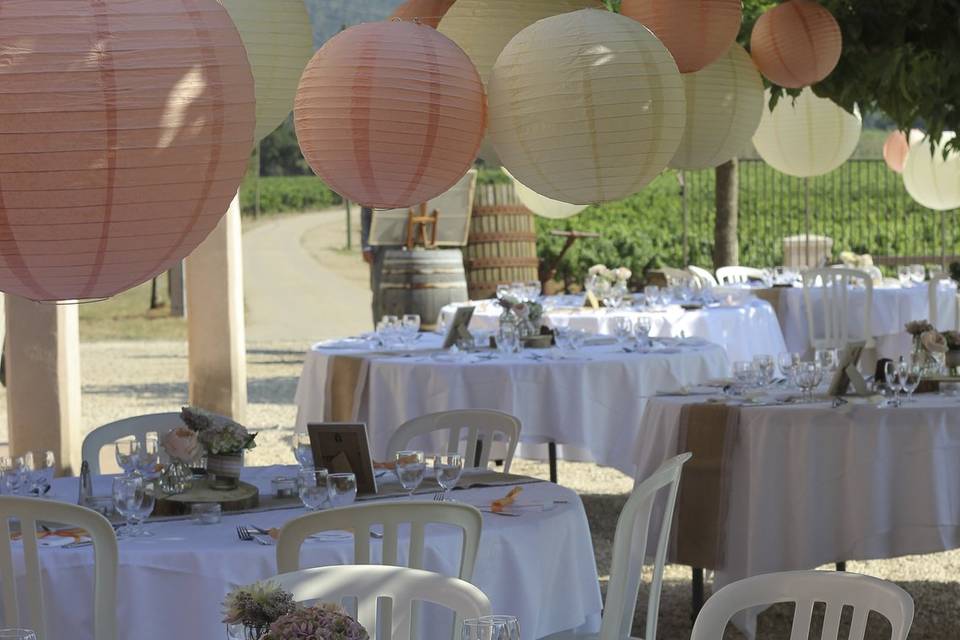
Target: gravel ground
[(128, 378)]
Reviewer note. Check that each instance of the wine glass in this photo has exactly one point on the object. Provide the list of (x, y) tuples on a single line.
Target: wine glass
[(534, 289), (577, 338), (25, 474), (763, 364), (910, 374), (788, 363), (302, 450), (411, 467), (127, 452), (903, 275), (409, 328), (148, 456), (827, 359), (44, 466), (342, 489), (491, 628), (13, 474), (17, 634), (141, 513), (891, 376), (312, 485), (448, 469), (641, 330), (613, 296), (128, 499), (745, 374), (652, 294), (918, 273), (809, 377), (623, 330)]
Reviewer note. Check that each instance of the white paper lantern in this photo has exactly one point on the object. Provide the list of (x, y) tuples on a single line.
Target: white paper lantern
[(724, 105), (586, 107), (541, 205), (279, 41), (806, 138), (930, 179), (482, 28)]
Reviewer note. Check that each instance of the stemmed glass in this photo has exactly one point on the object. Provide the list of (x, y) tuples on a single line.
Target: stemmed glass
[(127, 454), (623, 330), (341, 489), (127, 500), (910, 375), (788, 363), (918, 273), (302, 450), (409, 328), (148, 456), (893, 380), (613, 296), (827, 359), (903, 275), (312, 485), (411, 467), (534, 289), (44, 464), (763, 364), (745, 374), (809, 377), (448, 469), (491, 628), (138, 528)]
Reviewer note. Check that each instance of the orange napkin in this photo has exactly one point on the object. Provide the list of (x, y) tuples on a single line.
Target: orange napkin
[(499, 505), (385, 465), (76, 533)]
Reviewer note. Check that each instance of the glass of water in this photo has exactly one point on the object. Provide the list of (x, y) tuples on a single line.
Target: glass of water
[(342, 489), (411, 467), (641, 331), (623, 330), (312, 485), (128, 499), (491, 628), (765, 369), (448, 469), (302, 450)]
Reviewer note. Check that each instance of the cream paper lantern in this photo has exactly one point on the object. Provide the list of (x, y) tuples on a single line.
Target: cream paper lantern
[(724, 106), (807, 137), (931, 179), (541, 205), (573, 119), (482, 28), (279, 41)]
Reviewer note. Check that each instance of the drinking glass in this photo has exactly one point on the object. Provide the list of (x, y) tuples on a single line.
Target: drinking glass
[(302, 450), (623, 330), (891, 376), (448, 469), (763, 364), (641, 329), (745, 374), (148, 456), (910, 376), (139, 529), (491, 628), (44, 466), (13, 474), (827, 359), (613, 296), (903, 275), (411, 467), (652, 292), (127, 500), (17, 634), (26, 475), (518, 290), (788, 363), (312, 485), (503, 290), (534, 289), (577, 338), (918, 273), (127, 453), (388, 330), (508, 339), (409, 328), (342, 489), (809, 377)]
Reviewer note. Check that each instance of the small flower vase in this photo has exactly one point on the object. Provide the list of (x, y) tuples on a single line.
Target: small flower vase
[(929, 363), (952, 361), (176, 478), (223, 471)]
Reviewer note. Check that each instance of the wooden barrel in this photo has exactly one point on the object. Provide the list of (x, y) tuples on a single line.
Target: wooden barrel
[(502, 247), (422, 281)]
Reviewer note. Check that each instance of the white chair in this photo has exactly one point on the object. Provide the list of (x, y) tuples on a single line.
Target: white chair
[(933, 302), (477, 427), (738, 275), (834, 286), (137, 426), (28, 512), (391, 515), (400, 586), (702, 276), (806, 588)]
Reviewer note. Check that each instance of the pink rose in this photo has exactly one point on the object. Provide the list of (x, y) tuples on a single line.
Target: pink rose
[(181, 444), (933, 342)]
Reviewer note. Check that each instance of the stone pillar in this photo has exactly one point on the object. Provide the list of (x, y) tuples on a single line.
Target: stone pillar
[(43, 379), (216, 336)]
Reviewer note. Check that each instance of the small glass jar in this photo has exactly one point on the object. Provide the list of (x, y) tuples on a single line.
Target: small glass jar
[(206, 513), (284, 487)]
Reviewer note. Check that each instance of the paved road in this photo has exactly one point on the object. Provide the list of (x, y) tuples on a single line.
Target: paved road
[(291, 295)]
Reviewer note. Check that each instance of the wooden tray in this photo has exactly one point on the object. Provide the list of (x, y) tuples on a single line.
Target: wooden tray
[(244, 497)]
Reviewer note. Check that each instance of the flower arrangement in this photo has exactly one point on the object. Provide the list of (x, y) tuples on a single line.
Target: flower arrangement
[(269, 613), (613, 276), (257, 606), (854, 261), (319, 622), (918, 327), (218, 435), (529, 311), (952, 339), (182, 444)]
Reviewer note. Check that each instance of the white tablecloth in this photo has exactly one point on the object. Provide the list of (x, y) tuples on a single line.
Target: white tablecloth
[(744, 330), (171, 585), (591, 402)]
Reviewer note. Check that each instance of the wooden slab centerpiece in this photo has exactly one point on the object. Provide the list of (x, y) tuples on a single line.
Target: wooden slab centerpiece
[(244, 497)]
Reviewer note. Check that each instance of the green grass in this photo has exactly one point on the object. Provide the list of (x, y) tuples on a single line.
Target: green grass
[(128, 316), (286, 194)]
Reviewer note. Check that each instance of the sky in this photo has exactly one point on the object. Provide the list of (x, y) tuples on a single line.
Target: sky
[(329, 16)]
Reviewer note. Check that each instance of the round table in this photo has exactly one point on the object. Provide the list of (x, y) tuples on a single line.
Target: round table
[(591, 401), (744, 329), (171, 585)]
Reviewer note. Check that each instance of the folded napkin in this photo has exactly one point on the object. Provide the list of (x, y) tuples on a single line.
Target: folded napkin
[(501, 504), (57, 538)]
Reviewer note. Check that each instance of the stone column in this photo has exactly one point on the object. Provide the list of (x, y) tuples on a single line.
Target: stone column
[(216, 336), (43, 379)]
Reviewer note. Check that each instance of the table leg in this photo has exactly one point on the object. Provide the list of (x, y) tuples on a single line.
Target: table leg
[(552, 454), (696, 593)]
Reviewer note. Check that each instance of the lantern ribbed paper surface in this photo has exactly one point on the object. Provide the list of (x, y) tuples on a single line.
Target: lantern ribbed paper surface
[(279, 41), (724, 105), (125, 130), (697, 32), (808, 138), (797, 43), (390, 114), (586, 106), (931, 180), (542, 205), (896, 148), (428, 12)]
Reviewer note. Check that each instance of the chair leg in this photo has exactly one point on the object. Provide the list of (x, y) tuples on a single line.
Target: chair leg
[(696, 593), (552, 454), (841, 566)]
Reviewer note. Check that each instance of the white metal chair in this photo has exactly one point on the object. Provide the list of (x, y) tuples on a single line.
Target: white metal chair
[(29, 512), (834, 287), (391, 515), (401, 586), (933, 302), (738, 275), (805, 589), (480, 426), (704, 277), (136, 426)]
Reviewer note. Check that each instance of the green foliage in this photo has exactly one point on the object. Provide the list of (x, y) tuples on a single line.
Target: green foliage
[(291, 193)]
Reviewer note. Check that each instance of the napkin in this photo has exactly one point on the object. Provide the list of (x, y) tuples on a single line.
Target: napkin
[(502, 503), (57, 538)]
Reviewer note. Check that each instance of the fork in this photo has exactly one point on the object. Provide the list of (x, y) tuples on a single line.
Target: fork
[(439, 496), (244, 534)]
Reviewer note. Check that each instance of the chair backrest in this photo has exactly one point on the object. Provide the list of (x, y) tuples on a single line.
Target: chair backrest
[(835, 304), (704, 277), (390, 515), (629, 552), (476, 427), (28, 512), (137, 426), (805, 589), (933, 301), (738, 275), (400, 586)]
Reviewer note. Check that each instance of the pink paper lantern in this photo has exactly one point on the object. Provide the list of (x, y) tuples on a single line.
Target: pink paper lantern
[(796, 44), (895, 150), (428, 12), (125, 129), (390, 114), (696, 32)]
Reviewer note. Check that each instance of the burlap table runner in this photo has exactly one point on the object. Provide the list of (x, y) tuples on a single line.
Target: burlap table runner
[(709, 431), (773, 295)]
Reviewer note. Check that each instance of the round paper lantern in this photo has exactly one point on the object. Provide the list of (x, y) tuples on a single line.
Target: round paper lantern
[(390, 114), (807, 137), (697, 32), (125, 130), (428, 12), (724, 105), (896, 147), (279, 42), (482, 28), (930, 179), (573, 119), (795, 44), (542, 205)]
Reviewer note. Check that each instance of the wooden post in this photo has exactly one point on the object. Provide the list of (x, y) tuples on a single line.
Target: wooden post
[(43, 379), (216, 336), (177, 291), (726, 249)]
